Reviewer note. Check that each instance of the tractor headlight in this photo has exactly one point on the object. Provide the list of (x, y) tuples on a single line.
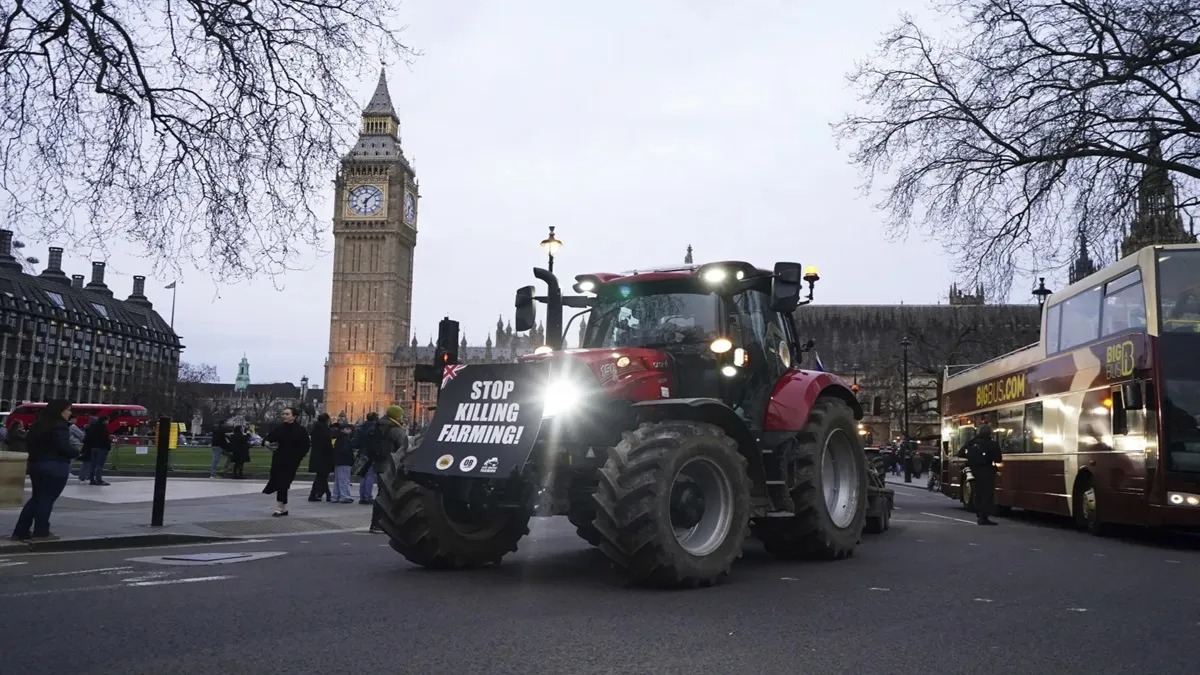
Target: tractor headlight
[(562, 396), (1182, 498)]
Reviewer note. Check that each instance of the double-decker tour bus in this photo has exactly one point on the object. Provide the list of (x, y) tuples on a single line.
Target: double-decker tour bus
[(1100, 420)]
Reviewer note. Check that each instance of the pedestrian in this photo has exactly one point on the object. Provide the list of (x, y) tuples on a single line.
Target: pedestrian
[(220, 446), (78, 436), (982, 454), (397, 444), (15, 440), (290, 443), (97, 442), (368, 441), (49, 466), (238, 446), (343, 459), (320, 462)]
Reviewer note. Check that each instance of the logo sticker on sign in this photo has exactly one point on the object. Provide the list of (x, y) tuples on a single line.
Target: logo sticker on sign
[(467, 464), (490, 466), (445, 462)]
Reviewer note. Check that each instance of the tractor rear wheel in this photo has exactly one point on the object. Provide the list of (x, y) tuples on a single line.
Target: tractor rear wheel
[(581, 517), (673, 504), (426, 530), (827, 477)]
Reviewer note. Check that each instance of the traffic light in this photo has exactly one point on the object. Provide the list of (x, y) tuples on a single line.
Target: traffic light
[(447, 344)]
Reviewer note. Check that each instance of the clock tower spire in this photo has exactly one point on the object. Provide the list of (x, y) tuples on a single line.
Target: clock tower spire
[(374, 236)]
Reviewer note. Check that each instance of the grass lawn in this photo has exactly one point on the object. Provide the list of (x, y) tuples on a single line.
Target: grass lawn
[(198, 458)]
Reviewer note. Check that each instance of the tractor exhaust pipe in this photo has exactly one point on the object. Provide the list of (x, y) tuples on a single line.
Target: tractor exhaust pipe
[(554, 308)]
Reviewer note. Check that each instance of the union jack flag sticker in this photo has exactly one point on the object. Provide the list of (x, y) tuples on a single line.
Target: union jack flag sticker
[(450, 372)]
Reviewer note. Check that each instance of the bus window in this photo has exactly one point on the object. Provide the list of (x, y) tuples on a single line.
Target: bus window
[(1052, 318), (1081, 318), (1124, 304), (1179, 292), (1033, 427), (1010, 432), (1120, 421)]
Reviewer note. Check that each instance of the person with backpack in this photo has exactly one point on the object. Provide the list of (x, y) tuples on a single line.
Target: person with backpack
[(372, 447), (394, 440), (983, 454)]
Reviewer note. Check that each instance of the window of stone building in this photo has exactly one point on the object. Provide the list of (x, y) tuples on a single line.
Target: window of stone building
[(100, 309), (56, 299)]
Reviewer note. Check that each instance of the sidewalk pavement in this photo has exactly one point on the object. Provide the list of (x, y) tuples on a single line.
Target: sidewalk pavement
[(207, 509)]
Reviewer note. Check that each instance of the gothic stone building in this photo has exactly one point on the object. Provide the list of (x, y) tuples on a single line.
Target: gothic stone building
[(60, 338)]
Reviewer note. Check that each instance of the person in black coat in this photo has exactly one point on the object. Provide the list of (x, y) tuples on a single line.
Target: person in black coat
[(983, 454), (290, 446), (238, 445), (97, 443), (49, 465), (320, 462)]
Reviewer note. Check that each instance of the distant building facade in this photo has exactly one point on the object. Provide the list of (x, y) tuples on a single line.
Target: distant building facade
[(62, 338)]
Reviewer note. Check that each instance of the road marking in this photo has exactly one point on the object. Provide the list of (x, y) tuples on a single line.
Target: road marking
[(982, 600), (1099, 555), (1035, 549), (1172, 561), (12, 564), (788, 579), (957, 520), (189, 580), (972, 544), (91, 571), (1076, 609), (51, 591), (875, 588), (148, 576)]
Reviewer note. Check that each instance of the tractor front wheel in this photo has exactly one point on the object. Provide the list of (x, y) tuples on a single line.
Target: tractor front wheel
[(673, 504), (430, 532), (826, 472)]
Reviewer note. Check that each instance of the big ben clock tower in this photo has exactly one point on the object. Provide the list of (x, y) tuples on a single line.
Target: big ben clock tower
[(374, 234)]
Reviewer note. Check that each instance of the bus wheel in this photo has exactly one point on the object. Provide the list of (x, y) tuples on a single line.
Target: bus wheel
[(1087, 515)]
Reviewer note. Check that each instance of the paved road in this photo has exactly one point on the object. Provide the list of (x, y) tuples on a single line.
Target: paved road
[(935, 594)]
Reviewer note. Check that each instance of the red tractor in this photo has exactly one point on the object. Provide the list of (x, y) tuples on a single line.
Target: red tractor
[(682, 425)]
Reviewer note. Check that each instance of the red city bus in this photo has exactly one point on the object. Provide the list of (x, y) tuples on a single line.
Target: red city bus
[(123, 419), (1100, 420)]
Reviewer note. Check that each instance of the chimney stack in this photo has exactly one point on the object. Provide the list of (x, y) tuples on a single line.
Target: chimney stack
[(96, 285), (138, 297), (7, 260), (76, 281), (53, 271)]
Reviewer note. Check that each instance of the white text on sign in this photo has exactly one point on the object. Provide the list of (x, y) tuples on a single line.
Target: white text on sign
[(485, 411)]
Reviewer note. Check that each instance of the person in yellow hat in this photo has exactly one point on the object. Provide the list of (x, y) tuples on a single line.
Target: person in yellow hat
[(393, 441)]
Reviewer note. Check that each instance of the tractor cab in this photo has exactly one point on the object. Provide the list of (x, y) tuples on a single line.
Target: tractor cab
[(723, 329)]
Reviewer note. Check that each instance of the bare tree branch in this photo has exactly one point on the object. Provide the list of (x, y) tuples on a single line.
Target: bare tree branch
[(199, 130), (1004, 142)]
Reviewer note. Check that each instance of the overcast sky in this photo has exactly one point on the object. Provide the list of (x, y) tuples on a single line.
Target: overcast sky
[(635, 127)]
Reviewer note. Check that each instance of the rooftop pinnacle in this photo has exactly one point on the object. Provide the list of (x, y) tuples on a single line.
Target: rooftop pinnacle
[(381, 100)]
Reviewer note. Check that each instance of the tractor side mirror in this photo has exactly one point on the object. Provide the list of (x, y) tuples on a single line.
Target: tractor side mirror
[(526, 313), (785, 286)]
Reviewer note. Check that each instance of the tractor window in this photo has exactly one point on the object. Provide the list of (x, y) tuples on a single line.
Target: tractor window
[(760, 331), (658, 320)]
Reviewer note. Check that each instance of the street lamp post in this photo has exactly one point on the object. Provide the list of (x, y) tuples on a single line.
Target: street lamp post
[(552, 244), (1041, 291), (907, 451)]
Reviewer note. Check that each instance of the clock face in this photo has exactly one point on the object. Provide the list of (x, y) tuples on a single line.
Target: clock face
[(365, 200), (410, 207)]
